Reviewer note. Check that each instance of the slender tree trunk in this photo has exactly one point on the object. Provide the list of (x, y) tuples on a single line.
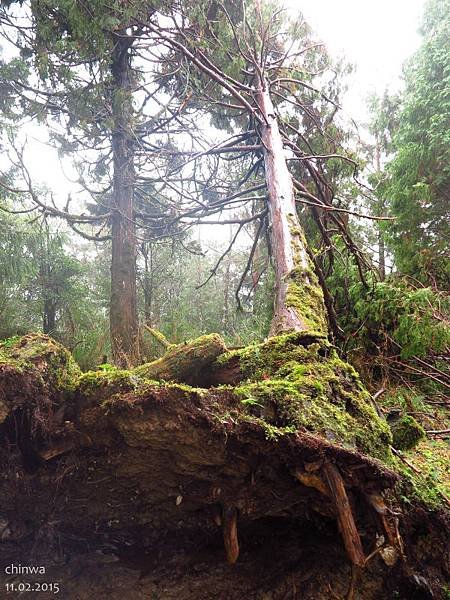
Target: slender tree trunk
[(147, 283), (381, 255), (123, 307), (48, 294), (226, 294), (381, 244), (299, 302), (226, 289), (148, 299), (49, 316)]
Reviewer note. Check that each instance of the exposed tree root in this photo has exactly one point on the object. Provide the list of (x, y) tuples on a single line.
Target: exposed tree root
[(347, 526), (230, 536)]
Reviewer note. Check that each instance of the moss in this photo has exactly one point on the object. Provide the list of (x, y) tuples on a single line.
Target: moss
[(106, 367), (148, 385), (109, 381), (267, 358), (406, 432), (299, 381), (417, 486), (431, 457), (303, 406), (9, 342), (429, 482), (304, 293), (7, 360), (32, 351), (307, 301), (7, 351), (108, 386), (274, 433)]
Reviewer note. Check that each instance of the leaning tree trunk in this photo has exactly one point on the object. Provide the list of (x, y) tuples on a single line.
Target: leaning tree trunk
[(299, 302), (123, 307)]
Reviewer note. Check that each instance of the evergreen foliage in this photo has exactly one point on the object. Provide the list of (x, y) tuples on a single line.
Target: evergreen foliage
[(419, 182), (414, 318)]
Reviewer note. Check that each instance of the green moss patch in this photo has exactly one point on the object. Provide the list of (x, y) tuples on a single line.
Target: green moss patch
[(297, 381), (307, 300), (264, 360), (109, 381), (40, 352), (406, 432), (304, 293)]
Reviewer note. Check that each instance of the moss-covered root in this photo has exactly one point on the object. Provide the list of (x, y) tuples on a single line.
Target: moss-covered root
[(184, 363)]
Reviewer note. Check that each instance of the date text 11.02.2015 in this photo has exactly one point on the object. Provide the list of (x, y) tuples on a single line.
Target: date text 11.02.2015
[(36, 586)]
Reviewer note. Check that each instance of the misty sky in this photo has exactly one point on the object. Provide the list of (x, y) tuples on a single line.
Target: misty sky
[(375, 36)]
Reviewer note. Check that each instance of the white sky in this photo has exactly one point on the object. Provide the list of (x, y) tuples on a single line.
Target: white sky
[(377, 36)]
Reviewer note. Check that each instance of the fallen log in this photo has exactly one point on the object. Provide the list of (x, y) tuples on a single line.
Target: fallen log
[(185, 363)]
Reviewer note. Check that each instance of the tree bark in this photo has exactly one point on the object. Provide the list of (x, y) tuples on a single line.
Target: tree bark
[(297, 292), (49, 316), (147, 283), (123, 307)]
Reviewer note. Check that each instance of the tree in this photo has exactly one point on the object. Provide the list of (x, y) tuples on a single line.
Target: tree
[(253, 81), (54, 278), (42, 286), (264, 85), (14, 270), (419, 183), (77, 73)]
